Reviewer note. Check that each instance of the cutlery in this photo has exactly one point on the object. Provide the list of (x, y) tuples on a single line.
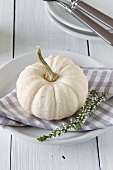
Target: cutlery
[(93, 12), (81, 10)]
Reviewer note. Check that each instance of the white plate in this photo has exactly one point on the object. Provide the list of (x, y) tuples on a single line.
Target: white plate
[(64, 17), (8, 76), (72, 31)]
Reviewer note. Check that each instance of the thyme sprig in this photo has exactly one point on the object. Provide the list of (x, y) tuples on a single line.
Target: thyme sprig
[(92, 101)]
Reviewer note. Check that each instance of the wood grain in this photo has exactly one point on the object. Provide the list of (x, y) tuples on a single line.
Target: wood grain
[(6, 30), (4, 150), (102, 52), (33, 27), (106, 150), (6, 47), (29, 156)]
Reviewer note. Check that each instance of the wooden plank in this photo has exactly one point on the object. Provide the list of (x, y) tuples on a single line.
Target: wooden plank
[(6, 46), (33, 27), (6, 30), (105, 142), (29, 156), (102, 52), (4, 150)]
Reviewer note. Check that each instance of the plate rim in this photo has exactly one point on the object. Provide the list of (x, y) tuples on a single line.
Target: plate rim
[(86, 137), (75, 32), (52, 142), (49, 6)]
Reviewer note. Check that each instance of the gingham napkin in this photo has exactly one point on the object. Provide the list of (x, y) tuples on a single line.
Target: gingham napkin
[(100, 79)]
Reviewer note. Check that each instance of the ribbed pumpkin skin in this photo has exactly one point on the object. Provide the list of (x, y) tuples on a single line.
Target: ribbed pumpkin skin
[(52, 100)]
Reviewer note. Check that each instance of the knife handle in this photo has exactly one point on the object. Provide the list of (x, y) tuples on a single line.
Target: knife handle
[(106, 20), (100, 31)]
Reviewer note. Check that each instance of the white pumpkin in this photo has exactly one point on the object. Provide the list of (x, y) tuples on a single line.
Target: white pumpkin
[(51, 95)]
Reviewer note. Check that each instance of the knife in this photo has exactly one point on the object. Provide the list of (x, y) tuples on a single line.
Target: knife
[(84, 19), (93, 12)]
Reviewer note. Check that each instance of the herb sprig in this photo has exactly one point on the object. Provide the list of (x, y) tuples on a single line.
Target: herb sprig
[(92, 101)]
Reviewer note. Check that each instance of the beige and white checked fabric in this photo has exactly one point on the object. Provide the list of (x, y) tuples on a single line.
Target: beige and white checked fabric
[(100, 79)]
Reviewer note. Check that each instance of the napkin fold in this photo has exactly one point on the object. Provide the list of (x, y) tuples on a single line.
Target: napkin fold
[(100, 79)]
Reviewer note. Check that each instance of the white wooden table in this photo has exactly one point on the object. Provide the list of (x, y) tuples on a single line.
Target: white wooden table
[(23, 25)]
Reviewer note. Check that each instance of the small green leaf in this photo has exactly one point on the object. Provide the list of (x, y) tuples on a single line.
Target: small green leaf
[(92, 101)]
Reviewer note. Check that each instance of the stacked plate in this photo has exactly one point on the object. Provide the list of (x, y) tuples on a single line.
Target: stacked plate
[(71, 25)]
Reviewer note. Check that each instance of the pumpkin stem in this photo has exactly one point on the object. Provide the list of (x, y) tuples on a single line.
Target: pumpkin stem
[(50, 75)]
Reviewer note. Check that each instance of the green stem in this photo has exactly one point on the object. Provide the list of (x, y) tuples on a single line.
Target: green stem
[(50, 75), (92, 101)]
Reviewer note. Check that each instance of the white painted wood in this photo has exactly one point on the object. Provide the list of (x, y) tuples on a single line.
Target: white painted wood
[(4, 150), (33, 27), (106, 150), (102, 52), (29, 156), (6, 30), (6, 43)]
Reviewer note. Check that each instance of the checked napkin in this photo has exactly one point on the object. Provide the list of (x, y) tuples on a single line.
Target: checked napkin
[(100, 79)]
